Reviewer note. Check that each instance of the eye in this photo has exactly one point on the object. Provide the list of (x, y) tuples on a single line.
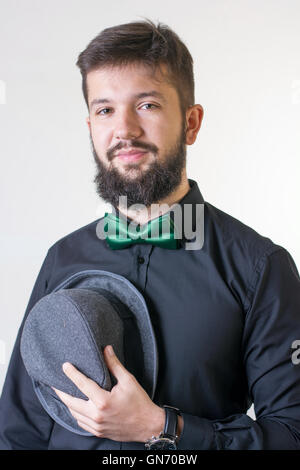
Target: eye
[(150, 104), (101, 111)]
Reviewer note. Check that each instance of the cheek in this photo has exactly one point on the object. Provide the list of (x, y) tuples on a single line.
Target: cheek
[(167, 135), (101, 137), (167, 127), (158, 131)]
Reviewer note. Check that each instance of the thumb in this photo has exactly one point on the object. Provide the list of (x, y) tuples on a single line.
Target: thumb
[(113, 363)]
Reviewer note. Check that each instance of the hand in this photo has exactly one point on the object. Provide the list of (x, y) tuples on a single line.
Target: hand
[(124, 414)]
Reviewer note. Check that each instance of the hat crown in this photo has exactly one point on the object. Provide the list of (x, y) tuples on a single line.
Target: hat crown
[(71, 325)]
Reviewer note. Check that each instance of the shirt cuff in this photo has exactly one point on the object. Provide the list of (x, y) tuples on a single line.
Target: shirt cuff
[(197, 434)]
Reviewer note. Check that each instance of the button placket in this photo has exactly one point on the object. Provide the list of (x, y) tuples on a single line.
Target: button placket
[(142, 262)]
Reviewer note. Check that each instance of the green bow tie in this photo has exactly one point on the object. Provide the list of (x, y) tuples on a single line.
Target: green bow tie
[(158, 232)]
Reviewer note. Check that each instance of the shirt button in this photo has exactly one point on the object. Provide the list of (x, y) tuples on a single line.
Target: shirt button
[(141, 260)]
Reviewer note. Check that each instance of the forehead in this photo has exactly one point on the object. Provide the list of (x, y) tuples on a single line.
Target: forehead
[(127, 81)]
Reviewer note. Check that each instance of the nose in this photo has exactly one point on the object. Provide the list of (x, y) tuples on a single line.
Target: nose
[(127, 125)]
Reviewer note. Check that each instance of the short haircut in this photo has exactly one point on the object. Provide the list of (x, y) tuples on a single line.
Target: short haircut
[(145, 43)]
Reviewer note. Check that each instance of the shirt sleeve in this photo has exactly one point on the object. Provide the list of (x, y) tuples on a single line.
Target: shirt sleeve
[(23, 422), (272, 325)]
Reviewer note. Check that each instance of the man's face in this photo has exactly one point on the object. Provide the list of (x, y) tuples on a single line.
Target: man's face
[(137, 134)]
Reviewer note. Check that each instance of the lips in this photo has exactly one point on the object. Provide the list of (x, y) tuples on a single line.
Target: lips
[(132, 155)]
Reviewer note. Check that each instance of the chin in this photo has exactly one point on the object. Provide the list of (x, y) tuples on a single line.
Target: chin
[(131, 170)]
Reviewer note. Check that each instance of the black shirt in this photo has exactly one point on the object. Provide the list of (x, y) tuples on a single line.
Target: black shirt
[(225, 317)]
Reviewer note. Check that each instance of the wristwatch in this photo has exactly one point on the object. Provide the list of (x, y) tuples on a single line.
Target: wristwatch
[(167, 438)]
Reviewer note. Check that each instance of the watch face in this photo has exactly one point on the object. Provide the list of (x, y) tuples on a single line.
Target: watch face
[(163, 444)]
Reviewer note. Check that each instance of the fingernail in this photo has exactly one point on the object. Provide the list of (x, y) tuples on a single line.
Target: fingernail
[(110, 350), (65, 366)]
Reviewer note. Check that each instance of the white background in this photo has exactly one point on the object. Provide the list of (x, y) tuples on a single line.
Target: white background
[(246, 157)]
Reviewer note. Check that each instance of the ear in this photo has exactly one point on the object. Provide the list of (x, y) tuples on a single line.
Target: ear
[(194, 116), (88, 122)]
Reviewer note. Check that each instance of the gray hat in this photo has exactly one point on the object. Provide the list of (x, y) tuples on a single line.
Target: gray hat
[(73, 323)]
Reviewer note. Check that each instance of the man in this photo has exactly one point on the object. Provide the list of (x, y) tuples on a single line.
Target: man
[(225, 314)]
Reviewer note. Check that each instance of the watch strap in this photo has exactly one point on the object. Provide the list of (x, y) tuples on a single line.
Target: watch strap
[(170, 428)]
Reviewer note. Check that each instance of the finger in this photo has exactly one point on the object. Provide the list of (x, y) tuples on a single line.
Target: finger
[(89, 429), (86, 420), (87, 386), (114, 364), (73, 403), (81, 410)]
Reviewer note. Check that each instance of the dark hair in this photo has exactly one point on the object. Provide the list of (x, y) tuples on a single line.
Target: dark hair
[(142, 42)]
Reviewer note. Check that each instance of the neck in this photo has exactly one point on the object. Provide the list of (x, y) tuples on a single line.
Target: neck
[(155, 210)]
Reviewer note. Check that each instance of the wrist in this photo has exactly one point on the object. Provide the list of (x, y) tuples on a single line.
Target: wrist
[(156, 424), (167, 438)]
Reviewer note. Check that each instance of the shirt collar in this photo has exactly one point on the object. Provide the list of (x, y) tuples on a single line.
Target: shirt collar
[(192, 198)]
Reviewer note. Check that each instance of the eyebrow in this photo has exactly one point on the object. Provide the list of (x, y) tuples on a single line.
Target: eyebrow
[(144, 94)]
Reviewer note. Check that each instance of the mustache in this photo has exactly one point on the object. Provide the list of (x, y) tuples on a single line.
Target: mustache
[(140, 145)]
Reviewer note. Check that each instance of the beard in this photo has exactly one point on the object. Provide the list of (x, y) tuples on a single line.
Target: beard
[(149, 186)]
